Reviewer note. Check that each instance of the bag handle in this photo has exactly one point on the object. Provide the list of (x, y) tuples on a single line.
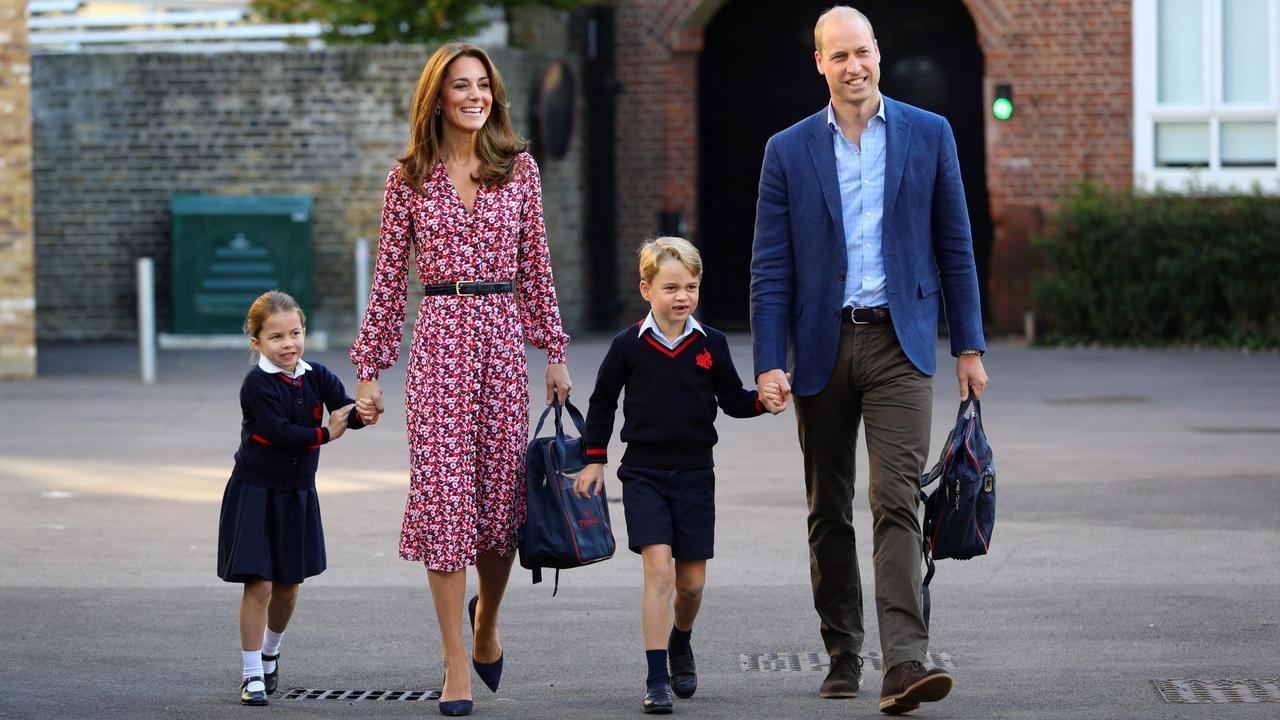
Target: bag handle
[(574, 415), (560, 439)]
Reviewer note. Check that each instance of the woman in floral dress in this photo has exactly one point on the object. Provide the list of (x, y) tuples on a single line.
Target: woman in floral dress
[(467, 199)]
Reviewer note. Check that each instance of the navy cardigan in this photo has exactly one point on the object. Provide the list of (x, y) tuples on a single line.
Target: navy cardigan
[(282, 429), (669, 407)]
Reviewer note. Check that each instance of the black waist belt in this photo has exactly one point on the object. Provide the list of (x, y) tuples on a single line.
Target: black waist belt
[(467, 288), (866, 315)]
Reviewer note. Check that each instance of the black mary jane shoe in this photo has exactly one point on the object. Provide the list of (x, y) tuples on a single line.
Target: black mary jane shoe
[(490, 673), (272, 679), (684, 675), (658, 699), (252, 697)]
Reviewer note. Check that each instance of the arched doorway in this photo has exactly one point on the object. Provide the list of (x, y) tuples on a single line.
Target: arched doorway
[(757, 76)]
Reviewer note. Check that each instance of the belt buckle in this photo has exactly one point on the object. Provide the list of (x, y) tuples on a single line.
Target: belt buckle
[(853, 317), (457, 289)]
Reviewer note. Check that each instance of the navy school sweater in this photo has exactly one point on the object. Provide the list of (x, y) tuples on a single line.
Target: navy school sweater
[(282, 427), (671, 395)]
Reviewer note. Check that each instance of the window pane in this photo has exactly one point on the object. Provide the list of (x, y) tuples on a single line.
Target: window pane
[(1249, 144), (1180, 52), (1180, 144), (1246, 60)]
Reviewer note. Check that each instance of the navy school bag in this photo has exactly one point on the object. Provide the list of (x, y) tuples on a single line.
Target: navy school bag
[(960, 513), (561, 530)]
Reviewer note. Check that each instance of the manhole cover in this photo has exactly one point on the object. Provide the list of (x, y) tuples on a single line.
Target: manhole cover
[(1219, 691), (819, 661), (361, 695)]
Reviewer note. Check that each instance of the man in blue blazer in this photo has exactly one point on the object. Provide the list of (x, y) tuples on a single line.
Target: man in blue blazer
[(861, 222)]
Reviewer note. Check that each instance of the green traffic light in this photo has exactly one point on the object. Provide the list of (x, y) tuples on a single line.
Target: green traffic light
[(1002, 108)]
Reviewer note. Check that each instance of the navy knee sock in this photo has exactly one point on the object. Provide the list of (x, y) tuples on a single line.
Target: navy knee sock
[(657, 667), (678, 644)]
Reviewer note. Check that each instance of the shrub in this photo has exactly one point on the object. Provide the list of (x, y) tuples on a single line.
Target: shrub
[(1124, 267)]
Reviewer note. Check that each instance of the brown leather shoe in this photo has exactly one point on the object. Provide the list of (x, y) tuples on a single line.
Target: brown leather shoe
[(908, 684), (844, 679)]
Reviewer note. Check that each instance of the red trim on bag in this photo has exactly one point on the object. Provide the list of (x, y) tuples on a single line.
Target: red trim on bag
[(261, 439), (979, 529), (597, 452), (967, 437)]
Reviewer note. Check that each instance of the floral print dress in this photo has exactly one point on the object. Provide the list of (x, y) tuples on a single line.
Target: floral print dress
[(466, 391)]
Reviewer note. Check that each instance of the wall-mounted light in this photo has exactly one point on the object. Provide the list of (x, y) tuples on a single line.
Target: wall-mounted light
[(1002, 106)]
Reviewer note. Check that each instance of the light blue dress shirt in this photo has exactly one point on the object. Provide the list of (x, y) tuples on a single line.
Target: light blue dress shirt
[(860, 171), (690, 325)]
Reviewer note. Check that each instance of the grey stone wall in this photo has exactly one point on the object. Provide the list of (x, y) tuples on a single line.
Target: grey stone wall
[(116, 135)]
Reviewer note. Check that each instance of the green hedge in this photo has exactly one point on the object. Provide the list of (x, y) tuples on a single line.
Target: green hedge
[(1129, 268)]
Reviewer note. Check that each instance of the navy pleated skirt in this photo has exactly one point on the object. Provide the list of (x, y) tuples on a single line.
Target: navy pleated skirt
[(267, 533)]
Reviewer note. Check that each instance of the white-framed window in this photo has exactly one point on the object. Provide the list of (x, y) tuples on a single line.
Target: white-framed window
[(1206, 94)]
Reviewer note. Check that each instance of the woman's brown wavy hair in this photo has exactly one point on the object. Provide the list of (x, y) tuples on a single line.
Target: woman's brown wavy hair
[(496, 144)]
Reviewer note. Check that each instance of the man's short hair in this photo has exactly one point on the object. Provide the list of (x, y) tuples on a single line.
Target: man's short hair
[(822, 20)]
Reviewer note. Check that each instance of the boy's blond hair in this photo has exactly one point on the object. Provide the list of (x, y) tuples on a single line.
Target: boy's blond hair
[(654, 251)]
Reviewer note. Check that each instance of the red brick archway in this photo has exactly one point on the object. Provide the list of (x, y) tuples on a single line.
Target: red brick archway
[(1070, 64)]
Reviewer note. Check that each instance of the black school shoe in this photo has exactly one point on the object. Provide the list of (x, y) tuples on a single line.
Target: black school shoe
[(684, 674), (252, 697), (272, 679), (658, 700)]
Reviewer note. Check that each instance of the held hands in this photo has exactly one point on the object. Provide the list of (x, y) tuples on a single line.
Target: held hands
[(590, 481), (774, 389), (338, 422), (970, 373), (369, 401)]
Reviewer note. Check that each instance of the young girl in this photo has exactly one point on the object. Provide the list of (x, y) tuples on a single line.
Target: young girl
[(675, 372), (269, 534)]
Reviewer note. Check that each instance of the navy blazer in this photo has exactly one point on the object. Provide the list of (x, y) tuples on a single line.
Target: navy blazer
[(798, 261)]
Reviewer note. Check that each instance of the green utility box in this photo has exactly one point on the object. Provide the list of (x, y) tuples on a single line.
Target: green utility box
[(229, 250)]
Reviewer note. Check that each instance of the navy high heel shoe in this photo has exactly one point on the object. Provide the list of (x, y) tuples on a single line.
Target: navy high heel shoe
[(452, 708), (490, 673), (455, 708)]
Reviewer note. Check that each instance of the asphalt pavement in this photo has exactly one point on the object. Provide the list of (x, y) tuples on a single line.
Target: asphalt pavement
[(1136, 541)]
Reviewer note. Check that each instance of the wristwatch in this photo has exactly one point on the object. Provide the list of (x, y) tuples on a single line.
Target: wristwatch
[(969, 351)]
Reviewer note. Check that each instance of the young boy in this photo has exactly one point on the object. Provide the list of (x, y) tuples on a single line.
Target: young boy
[(675, 371)]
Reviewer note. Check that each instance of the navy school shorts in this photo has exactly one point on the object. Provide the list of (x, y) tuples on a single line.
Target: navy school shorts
[(670, 507)]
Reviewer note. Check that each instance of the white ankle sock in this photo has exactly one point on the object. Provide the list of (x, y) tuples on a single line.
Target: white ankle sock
[(271, 646), (252, 663)]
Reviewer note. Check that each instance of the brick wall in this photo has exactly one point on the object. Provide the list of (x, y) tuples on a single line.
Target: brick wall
[(1070, 62), (17, 268), (1071, 67), (657, 130), (116, 135)]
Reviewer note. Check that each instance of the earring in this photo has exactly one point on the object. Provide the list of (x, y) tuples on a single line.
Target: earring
[(437, 110)]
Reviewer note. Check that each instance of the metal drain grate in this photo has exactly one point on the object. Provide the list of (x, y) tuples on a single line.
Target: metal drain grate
[(1098, 400), (1219, 691), (819, 661), (362, 695), (1241, 430)]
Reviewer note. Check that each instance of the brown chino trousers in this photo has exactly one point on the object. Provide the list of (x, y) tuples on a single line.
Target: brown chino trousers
[(873, 381)]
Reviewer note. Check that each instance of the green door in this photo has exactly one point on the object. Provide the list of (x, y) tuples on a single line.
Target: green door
[(229, 250)]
